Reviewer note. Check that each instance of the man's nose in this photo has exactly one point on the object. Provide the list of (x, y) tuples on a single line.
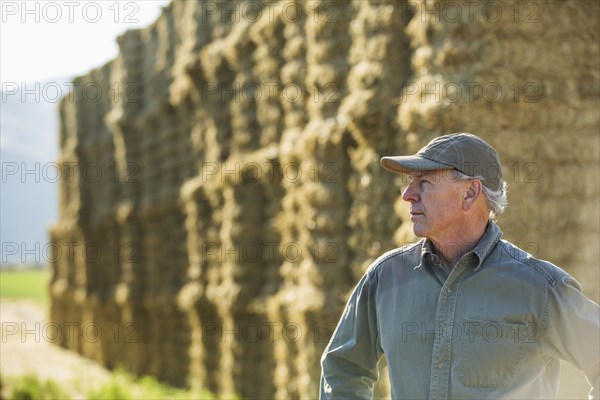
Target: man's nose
[(411, 193)]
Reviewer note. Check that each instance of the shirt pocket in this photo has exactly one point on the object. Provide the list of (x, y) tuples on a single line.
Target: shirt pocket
[(491, 353)]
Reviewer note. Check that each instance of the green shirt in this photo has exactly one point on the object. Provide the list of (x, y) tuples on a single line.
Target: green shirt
[(496, 326)]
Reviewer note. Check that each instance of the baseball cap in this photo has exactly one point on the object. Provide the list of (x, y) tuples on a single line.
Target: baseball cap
[(464, 152)]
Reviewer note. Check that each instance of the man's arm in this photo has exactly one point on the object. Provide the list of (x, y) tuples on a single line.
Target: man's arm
[(572, 330), (349, 363)]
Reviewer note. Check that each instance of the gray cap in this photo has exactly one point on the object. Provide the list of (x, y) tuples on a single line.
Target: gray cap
[(464, 152)]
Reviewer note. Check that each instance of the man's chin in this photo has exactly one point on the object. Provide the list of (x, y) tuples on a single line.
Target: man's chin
[(419, 231)]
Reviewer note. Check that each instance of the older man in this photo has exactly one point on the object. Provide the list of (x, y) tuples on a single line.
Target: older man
[(460, 314)]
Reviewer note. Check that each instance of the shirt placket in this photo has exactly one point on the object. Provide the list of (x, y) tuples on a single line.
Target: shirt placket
[(444, 333)]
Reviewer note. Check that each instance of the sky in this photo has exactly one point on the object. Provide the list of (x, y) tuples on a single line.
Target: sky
[(42, 40)]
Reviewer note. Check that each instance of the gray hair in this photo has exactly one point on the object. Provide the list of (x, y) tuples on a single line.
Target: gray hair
[(497, 200)]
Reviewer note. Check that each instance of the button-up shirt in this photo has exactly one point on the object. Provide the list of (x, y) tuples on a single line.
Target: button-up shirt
[(495, 326)]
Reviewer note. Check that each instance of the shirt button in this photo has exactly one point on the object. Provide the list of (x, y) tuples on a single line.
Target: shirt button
[(440, 365), (448, 290)]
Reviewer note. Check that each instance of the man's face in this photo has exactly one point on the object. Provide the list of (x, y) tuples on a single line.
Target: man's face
[(436, 200)]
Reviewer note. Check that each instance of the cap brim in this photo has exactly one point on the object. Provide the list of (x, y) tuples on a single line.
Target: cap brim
[(408, 164)]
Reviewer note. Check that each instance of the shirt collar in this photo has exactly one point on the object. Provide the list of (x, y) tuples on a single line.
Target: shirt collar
[(486, 244)]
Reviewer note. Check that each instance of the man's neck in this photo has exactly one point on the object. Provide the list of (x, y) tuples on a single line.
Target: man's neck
[(451, 250)]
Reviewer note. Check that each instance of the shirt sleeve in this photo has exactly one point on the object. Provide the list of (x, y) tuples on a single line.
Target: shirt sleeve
[(349, 363), (572, 330)]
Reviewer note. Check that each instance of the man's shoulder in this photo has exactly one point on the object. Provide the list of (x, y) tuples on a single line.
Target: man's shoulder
[(524, 260), (405, 253)]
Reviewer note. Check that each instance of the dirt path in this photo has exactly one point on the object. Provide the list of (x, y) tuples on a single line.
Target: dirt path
[(26, 348)]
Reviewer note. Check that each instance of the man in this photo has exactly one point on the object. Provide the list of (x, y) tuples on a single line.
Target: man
[(461, 314)]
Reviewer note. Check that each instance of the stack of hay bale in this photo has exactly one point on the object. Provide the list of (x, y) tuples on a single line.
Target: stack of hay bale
[(223, 195)]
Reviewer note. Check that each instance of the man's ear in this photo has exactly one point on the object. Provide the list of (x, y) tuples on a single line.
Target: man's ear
[(473, 191)]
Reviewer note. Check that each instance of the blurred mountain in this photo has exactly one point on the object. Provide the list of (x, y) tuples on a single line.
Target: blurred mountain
[(29, 184)]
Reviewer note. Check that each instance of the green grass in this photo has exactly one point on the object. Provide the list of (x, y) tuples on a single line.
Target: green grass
[(30, 387), (23, 284), (122, 385)]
